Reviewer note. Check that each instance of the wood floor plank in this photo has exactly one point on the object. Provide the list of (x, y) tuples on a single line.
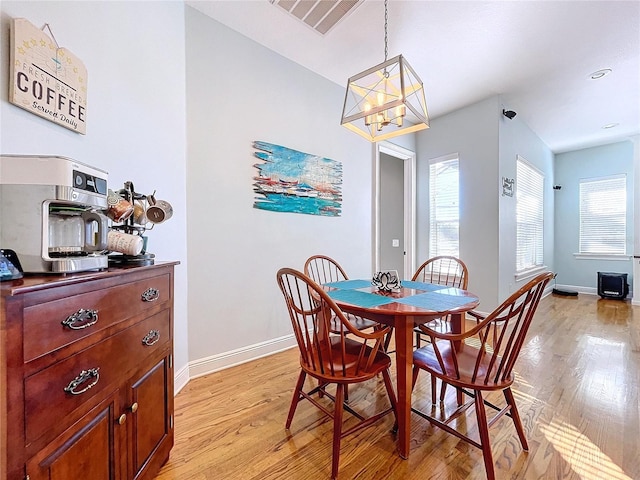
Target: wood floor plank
[(577, 390)]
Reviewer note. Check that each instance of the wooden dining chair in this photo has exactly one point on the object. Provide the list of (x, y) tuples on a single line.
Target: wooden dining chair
[(322, 269), (329, 357), (482, 360), (440, 270)]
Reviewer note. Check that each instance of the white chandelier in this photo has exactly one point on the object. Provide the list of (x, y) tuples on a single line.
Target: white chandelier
[(386, 100)]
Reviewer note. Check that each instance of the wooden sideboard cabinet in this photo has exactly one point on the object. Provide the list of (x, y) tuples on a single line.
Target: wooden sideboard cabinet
[(86, 374)]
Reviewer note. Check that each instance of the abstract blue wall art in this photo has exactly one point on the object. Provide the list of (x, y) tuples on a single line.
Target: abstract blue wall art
[(293, 181)]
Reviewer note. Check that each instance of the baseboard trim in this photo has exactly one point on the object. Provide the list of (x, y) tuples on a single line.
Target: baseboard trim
[(214, 363), (221, 361), (181, 378), (585, 290)]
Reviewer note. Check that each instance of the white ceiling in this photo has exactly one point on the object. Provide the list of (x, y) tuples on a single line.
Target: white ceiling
[(537, 54)]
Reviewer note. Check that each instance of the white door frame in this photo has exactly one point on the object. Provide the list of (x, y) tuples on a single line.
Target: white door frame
[(409, 158)]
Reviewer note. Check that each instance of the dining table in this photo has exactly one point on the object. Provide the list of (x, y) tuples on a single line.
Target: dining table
[(411, 304)]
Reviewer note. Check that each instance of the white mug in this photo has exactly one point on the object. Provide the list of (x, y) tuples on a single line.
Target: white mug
[(124, 243)]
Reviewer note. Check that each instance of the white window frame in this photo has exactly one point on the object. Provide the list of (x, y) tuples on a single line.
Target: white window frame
[(434, 221), (530, 190), (594, 190)]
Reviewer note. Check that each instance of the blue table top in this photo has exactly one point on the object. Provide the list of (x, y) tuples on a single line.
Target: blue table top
[(412, 297)]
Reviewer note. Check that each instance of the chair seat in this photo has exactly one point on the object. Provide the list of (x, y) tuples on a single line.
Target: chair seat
[(465, 358), (351, 358)]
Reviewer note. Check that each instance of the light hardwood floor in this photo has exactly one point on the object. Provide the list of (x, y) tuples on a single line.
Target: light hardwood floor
[(577, 391)]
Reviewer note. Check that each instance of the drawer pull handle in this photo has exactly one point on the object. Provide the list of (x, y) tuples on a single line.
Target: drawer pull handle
[(85, 376), (122, 419), (151, 338), (150, 295), (134, 407), (81, 319)]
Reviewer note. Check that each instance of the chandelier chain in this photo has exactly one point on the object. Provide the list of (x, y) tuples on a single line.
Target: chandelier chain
[(386, 21)]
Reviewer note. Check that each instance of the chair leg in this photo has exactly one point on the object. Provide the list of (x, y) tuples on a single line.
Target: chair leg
[(515, 416), (337, 430), (392, 394), (433, 389), (296, 397), (414, 377), (483, 429), (417, 340), (392, 398), (387, 340), (443, 391)]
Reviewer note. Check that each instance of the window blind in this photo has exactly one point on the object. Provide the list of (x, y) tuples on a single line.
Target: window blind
[(603, 215), (444, 208), (530, 217)]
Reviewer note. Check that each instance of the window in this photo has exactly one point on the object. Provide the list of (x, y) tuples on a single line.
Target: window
[(444, 207), (529, 213), (603, 215)]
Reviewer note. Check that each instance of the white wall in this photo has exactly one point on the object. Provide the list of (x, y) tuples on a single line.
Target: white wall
[(516, 138), (472, 133), (240, 92), (487, 144), (134, 55)]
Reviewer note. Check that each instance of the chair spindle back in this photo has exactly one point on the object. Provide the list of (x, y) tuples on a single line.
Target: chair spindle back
[(443, 270), (498, 338), (323, 353), (323, 269)]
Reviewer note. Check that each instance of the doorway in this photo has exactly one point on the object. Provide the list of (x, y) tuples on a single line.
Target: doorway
[(394, 209)]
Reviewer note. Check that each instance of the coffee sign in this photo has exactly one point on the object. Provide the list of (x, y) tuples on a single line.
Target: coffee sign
[(47, 80)]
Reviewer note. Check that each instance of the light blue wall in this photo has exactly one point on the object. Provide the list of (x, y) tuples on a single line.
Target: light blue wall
[(487, 144), (472, 133), (238, 92), (570, 168), (516, 138), (134, 53)]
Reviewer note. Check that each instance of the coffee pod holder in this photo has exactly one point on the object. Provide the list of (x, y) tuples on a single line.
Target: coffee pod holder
[(131, 227)]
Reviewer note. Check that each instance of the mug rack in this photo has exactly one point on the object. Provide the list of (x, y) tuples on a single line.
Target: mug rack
[(132, 228)]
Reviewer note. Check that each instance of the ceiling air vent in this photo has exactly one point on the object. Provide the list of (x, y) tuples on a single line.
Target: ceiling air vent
[(321, 15)]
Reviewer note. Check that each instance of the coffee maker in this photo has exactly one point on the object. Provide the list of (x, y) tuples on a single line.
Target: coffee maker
[(51, 213)]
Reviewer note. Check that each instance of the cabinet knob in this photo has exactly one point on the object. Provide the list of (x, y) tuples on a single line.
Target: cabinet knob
[(134, 407), (122, 419)]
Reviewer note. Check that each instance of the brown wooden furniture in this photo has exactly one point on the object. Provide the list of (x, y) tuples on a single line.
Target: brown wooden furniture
[(482, 360), (322, 269), (414, 304), (441, 270), (330, 358), (88, 392)]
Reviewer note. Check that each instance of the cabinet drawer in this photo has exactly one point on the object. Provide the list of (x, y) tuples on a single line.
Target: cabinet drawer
[(55, 324), (76, 383)]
